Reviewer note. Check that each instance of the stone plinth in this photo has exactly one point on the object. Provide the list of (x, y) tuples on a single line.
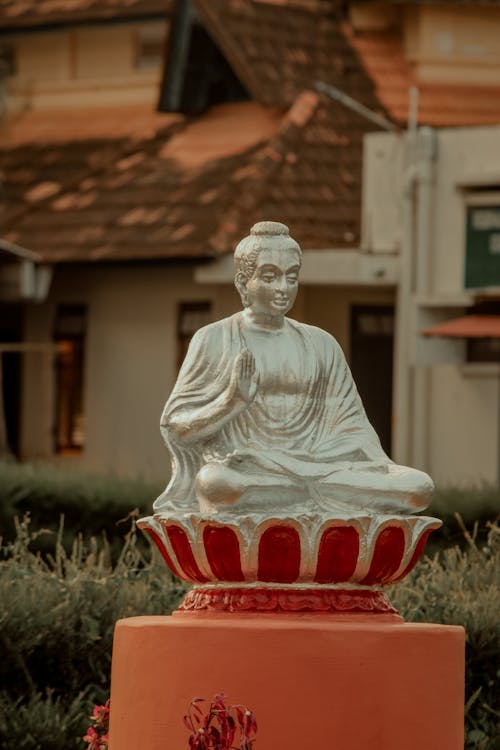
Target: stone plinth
[(353, 682)]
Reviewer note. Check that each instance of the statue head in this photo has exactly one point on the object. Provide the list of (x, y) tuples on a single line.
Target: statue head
[(267, 264)]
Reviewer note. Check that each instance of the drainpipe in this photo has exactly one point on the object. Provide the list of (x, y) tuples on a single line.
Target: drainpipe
[(401, 444), (427, 152), (411, 381)]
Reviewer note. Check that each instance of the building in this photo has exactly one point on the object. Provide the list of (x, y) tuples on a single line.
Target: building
[(119, 219), (433, 193), (447, 184)]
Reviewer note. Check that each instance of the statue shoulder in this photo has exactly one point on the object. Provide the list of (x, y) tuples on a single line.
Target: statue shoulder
[(212, 333), (318, 335)]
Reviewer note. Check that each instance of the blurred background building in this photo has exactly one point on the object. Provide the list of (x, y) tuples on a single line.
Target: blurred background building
[(142, 138)]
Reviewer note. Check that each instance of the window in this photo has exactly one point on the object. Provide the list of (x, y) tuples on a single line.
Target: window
[(150, 46), (197, 75), (371, 358), (11, 332), (483, 350), (8, 60), (190, 317), (374, 322), (482, 240), (69, 335)]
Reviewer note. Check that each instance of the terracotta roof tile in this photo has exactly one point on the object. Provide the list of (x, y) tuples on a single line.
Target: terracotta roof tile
[(224, 130), (440, 105), (16, 14)]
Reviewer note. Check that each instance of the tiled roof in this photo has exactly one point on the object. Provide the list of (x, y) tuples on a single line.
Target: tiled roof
[(135, 198), (16, 14), (307, 176), (192, 188), (119, 198), (278, 49), (441, 105)]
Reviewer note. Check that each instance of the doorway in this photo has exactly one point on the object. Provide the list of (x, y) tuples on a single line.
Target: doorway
[(10, 399), (371, 361)]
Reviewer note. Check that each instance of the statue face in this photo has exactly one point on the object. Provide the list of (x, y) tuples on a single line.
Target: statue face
[(273, 287)]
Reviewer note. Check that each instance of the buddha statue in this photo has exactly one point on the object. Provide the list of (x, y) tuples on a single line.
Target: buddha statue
[(265, 415)]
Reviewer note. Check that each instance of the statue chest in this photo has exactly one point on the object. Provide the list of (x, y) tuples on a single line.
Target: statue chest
[(283, 367)]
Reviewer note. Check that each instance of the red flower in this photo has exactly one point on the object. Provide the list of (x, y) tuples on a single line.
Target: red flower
[(92, 738), (220, 726), (97, 736), (100, 715)]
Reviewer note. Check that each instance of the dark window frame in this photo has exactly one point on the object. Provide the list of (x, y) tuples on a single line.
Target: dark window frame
[(8, 59), (197, 74), (486, 350), (201, 313), (154, 38), (70, 329)]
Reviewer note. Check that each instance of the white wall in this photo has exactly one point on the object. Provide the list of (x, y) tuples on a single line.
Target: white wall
[(464, 424), (131, 355), (451, 423), (466, 157)]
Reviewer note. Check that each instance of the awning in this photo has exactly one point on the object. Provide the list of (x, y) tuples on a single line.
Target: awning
[(468, 327)]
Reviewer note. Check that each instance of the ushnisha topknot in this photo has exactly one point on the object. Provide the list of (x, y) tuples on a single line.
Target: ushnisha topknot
[(269, 229), (264, 234)]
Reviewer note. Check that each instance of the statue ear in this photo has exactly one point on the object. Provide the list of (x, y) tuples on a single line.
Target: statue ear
[(240, 282)]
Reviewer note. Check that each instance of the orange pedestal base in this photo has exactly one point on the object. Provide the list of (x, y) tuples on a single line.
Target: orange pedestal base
[(315, 682)]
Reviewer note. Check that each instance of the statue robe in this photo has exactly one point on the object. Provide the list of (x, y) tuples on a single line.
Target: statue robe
[(304, 441)]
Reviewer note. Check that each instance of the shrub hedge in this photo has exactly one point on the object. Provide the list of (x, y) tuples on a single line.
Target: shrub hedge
[(58, 614), (94, 504), (461, 587), (91, 505), (56, 627), (472, 507)]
